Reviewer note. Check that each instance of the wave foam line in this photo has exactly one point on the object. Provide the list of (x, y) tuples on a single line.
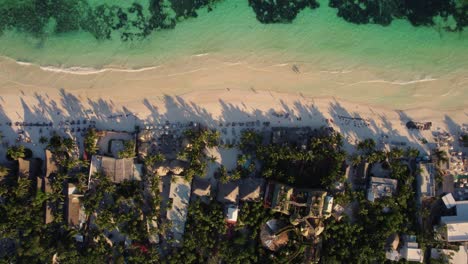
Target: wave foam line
[(83, 70), (393, 82)]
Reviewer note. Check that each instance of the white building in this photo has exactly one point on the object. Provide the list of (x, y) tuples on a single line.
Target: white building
[(457, 225), (232, 214)]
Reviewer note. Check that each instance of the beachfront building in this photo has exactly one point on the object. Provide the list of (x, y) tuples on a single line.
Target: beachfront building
[(112, 143), (298, 136), (179, 198), (164, 139), (426, 180), (380, 188), (116, 170), (456, 226)]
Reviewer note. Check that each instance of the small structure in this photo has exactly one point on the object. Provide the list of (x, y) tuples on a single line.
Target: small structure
[(391, 246), (251, 189), (201, 189), (381, 187), (338, 211), (228, 193), (117, 170), (75, 211), (457, 226), (449, 201), (50, 165), (179, 194), (110, 143), (232, 211), (411, 251), (328, 206)]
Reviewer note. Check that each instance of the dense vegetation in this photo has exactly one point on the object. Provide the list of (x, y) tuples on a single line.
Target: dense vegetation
[(208, 239), (137, 21), (195, 154), (126, 207), (317, 165), (373, 221)]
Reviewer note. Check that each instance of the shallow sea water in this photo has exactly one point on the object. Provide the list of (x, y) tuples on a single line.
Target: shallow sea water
[(231, 31)]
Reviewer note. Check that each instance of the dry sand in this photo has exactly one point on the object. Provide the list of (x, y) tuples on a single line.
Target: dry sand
[(207, 90)]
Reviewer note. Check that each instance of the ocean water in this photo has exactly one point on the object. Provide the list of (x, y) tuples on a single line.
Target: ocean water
[(231, 32)]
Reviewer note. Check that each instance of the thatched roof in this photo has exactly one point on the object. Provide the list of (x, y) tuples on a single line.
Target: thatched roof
[(28, 169), (117, 170), (251, 189), (50, 165), (228, 192), (201, 187)]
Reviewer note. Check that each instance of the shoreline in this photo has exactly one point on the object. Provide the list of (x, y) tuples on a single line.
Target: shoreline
[(207, 72)]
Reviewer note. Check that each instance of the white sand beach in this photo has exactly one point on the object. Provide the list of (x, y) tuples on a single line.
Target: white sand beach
[(203, 91)]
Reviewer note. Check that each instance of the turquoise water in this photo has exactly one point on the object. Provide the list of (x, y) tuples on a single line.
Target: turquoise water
[(231, 31)]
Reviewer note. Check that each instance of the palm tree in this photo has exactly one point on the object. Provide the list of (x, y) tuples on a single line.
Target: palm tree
[(441, 156), (43, 140), (213, 158), (3, 171), (16, 152), (412, 152)]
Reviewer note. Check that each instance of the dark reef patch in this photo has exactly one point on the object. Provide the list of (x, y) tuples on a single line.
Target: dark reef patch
[(41, 18), (280, 11), (417, 12)]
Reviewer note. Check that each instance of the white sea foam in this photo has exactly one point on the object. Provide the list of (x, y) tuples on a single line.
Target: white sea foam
[(393, 82), (85, 70), (201, 55), (89, 71)]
